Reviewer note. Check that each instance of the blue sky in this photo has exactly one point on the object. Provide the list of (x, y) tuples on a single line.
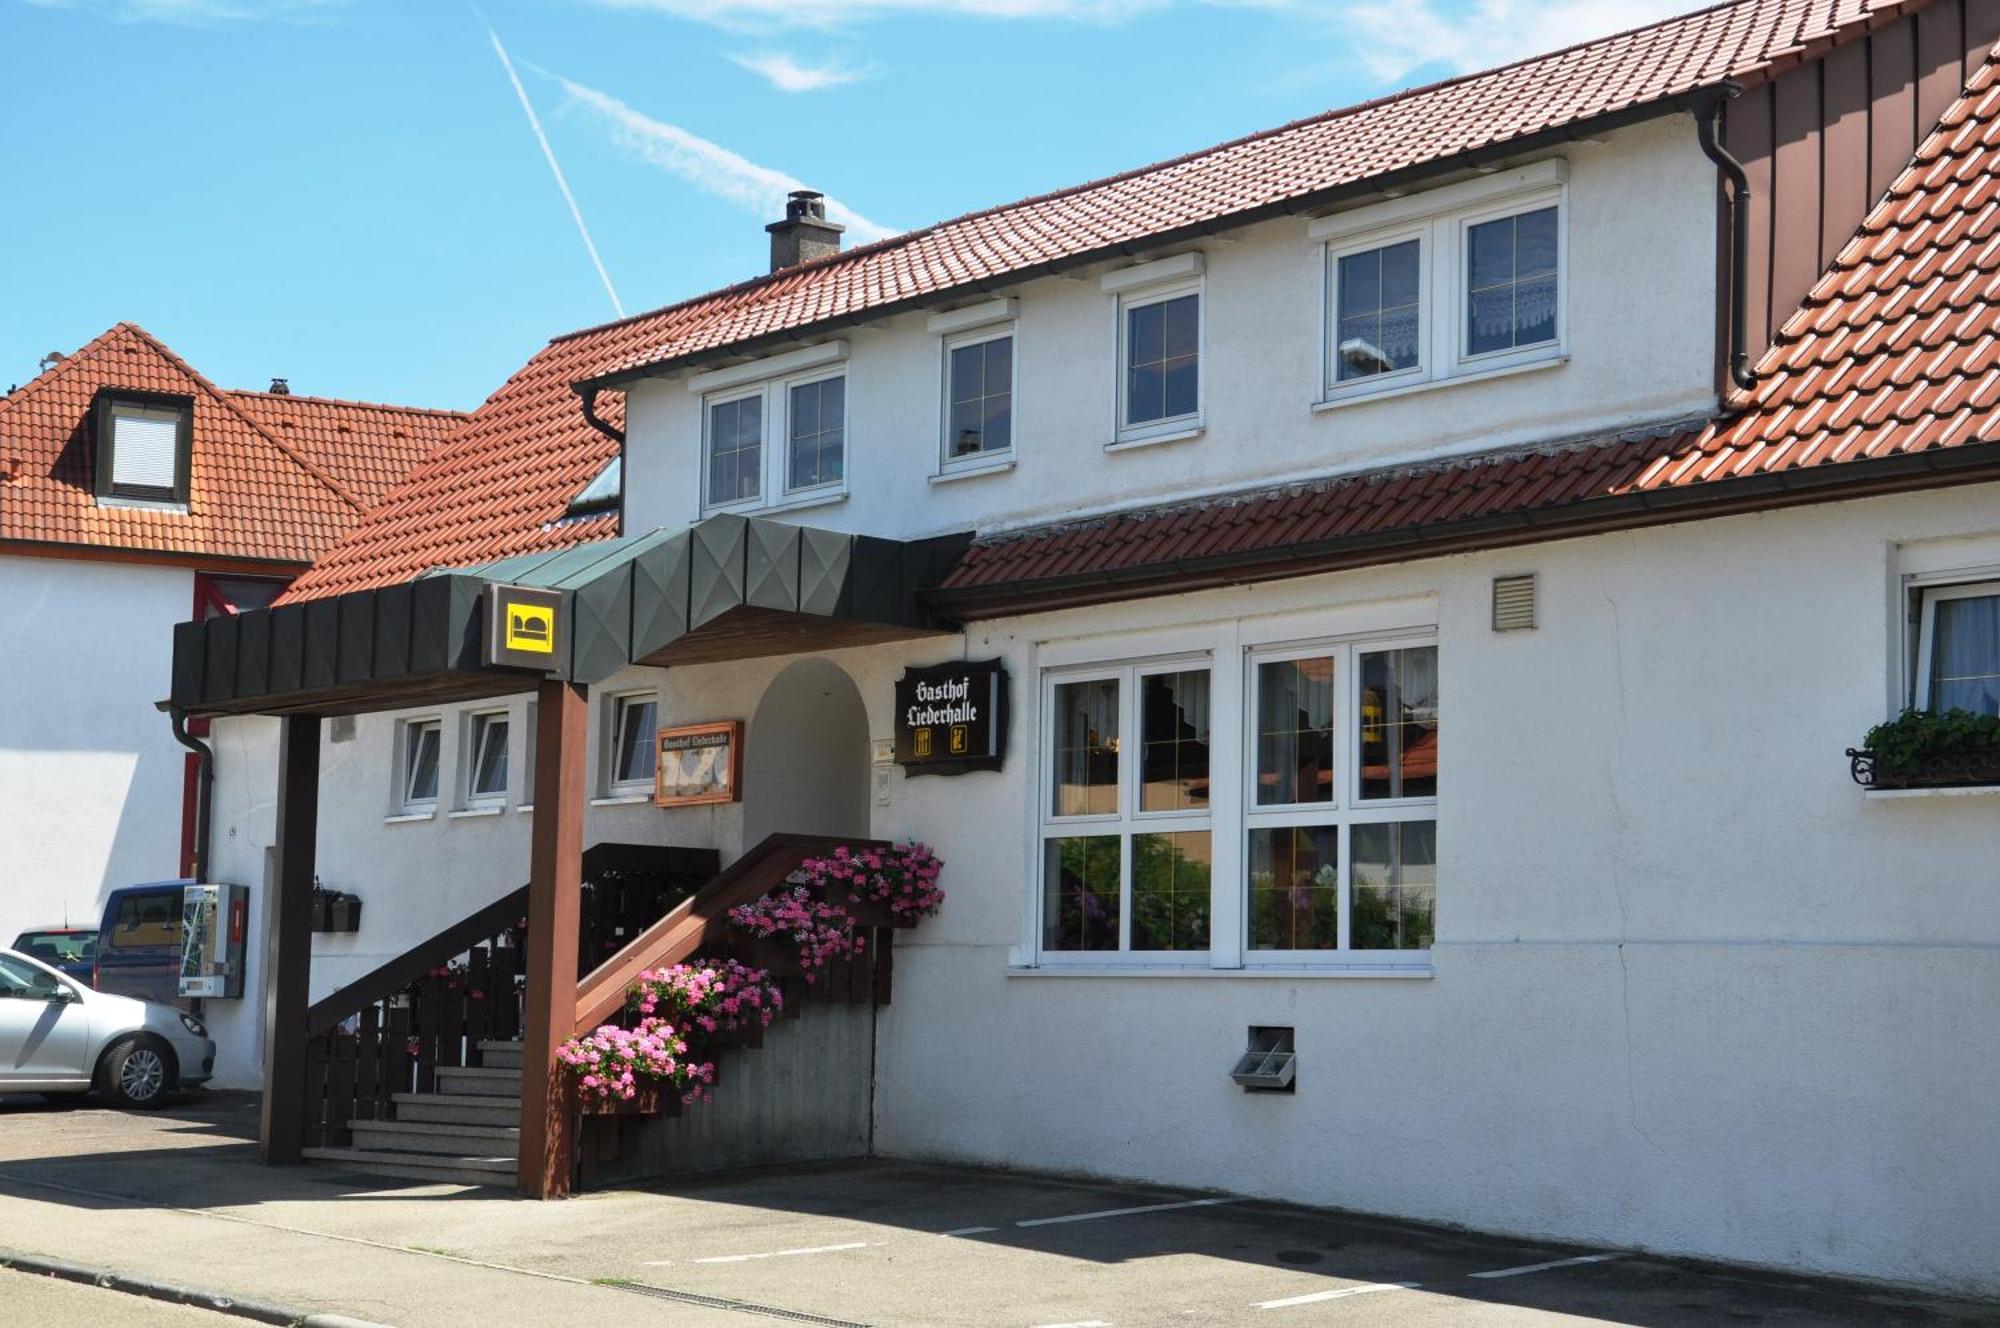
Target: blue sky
[(347, 192)]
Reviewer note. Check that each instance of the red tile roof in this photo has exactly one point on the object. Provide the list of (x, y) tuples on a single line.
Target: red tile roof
[(258, 490), (500, 486), (1893, 359)]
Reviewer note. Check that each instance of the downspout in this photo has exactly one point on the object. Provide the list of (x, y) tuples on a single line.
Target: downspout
[(1707, 106), (203, 790), (588, 395)]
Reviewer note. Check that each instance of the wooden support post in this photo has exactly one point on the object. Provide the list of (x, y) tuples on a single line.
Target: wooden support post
[(288, 944), (555, 902)]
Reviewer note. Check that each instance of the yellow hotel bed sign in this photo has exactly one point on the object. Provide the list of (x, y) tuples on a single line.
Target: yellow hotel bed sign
[(524, 628)]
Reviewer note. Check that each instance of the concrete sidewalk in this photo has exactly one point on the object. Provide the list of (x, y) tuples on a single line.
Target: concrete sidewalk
[(178, 1196)]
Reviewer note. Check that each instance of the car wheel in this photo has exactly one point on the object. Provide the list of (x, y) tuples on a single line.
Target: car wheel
[(137, 1073)]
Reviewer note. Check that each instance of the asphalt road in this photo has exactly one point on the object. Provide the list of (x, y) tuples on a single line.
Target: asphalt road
[(178, 1196)]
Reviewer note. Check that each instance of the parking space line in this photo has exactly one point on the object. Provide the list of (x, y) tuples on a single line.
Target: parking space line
[(1080, 1323), (782, 1254), (1121, 1212), (1313, 1298), (1553, 1263), (968, 1231)]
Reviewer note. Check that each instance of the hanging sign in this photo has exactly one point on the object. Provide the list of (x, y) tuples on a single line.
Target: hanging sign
[(524, 628), (698, 763), (951, 718)]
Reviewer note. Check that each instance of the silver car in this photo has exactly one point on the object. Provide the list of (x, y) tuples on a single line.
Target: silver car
[(59, 1036)]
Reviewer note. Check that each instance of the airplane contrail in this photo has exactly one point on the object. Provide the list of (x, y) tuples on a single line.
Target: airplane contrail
[(542, 137)]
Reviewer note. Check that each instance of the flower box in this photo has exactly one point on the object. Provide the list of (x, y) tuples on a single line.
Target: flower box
[(651, 1100), (1953, 770)]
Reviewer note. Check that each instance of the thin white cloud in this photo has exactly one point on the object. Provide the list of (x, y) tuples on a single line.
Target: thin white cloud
[(755, 15), (534, 123), (1392, 38), (708, 166), (785, 74)]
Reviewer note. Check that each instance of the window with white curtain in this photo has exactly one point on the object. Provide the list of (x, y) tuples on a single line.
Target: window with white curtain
[(486, 753), (1958, 648)]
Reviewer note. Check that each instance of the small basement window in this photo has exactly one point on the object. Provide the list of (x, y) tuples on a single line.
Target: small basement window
[(144, 442)]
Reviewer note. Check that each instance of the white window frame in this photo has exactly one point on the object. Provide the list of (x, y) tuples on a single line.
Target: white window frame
[(773, 378), (1927, 602), (783, 463), (991, 457), (531, 717), (708, 404), (614, 713), (1347, 808), (406, 734), (1136, 288), (1441, 219), (476, 722), (1128, 820), (1338, 388)]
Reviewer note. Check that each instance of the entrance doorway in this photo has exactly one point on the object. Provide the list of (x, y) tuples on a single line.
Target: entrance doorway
[(806, 768)]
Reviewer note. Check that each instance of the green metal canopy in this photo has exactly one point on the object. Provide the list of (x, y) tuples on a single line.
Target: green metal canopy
[(727, 587)]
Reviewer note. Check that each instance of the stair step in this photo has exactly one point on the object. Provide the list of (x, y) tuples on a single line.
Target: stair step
[(407, 1136), (466, 1170), (500, 1055), (479, 1082), (457, 1108)]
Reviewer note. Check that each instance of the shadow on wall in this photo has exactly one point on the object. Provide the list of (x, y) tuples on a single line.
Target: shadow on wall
[(806, 763)]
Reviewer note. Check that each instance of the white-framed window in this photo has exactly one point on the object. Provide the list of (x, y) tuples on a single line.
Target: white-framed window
[(1126, 825), (979, 385), (1160, 344), (632, 721), (419, 754), (1295, 825), (1453, 283), (144, 448), (529, 723), (774, 432), (1341, 854), (487, 737), (1958, 648)]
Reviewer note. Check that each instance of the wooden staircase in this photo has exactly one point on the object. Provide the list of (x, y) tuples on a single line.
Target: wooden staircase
[(466, 1132)]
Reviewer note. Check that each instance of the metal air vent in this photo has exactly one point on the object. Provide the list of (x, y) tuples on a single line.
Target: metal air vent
[(1269, 1065), (1513, 603)]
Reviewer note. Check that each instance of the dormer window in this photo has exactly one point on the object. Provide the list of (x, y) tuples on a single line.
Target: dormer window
[(144, 442), (603, 493)]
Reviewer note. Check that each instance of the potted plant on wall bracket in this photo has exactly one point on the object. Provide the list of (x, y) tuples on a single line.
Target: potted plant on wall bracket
[(1929, 749)]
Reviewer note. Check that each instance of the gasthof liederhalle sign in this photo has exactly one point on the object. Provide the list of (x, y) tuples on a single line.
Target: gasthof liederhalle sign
[(951, 718)]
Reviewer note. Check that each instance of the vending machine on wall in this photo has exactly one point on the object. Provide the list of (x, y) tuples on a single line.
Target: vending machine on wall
[(215, 919)]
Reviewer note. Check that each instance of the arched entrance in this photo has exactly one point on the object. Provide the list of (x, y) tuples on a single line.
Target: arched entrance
[(805, 770)]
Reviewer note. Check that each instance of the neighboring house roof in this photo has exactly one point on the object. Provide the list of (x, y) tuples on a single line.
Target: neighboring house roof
[(501, 485), (1887, 375), (271, 478)]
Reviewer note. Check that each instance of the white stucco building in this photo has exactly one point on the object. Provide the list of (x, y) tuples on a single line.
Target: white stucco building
[(1424, 648)]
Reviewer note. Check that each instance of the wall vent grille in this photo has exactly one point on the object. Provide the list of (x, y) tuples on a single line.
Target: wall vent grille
[(1513, 603)]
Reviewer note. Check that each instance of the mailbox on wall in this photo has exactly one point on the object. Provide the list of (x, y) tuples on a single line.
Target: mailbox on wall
[(215, 920)]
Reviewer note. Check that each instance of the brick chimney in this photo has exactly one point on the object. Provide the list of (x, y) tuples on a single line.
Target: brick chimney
[(805, 233)]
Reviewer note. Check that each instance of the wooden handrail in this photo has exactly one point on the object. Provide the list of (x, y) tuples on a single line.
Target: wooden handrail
[(697, 921), (413, 963)]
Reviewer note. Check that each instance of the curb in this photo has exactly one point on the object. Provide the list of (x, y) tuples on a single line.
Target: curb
[(258, 1311)]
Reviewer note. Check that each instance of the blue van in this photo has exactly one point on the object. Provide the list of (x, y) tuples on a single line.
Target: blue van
[(139, 942)]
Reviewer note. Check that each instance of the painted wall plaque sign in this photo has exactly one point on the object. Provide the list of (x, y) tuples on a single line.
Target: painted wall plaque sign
[(524, 628), (698, 763), (951, 718)]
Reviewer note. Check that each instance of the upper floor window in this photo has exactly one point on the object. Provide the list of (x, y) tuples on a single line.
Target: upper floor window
[(774, 431), (1159, 348), (1958, 648), (1454, 282), (979, 396), (144, 445)]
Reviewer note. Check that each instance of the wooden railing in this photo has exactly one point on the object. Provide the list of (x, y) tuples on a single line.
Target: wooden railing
[(389, 1031), (698, 923)]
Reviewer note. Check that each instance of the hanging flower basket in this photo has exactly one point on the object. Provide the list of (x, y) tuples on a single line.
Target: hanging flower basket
[(1929, 749)]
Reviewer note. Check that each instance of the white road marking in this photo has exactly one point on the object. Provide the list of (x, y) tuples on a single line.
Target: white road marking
[(1553, 1263), (1121, 1212), (1315, 1297), (1080, 1323), (968, 1231), (780, 1254)]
